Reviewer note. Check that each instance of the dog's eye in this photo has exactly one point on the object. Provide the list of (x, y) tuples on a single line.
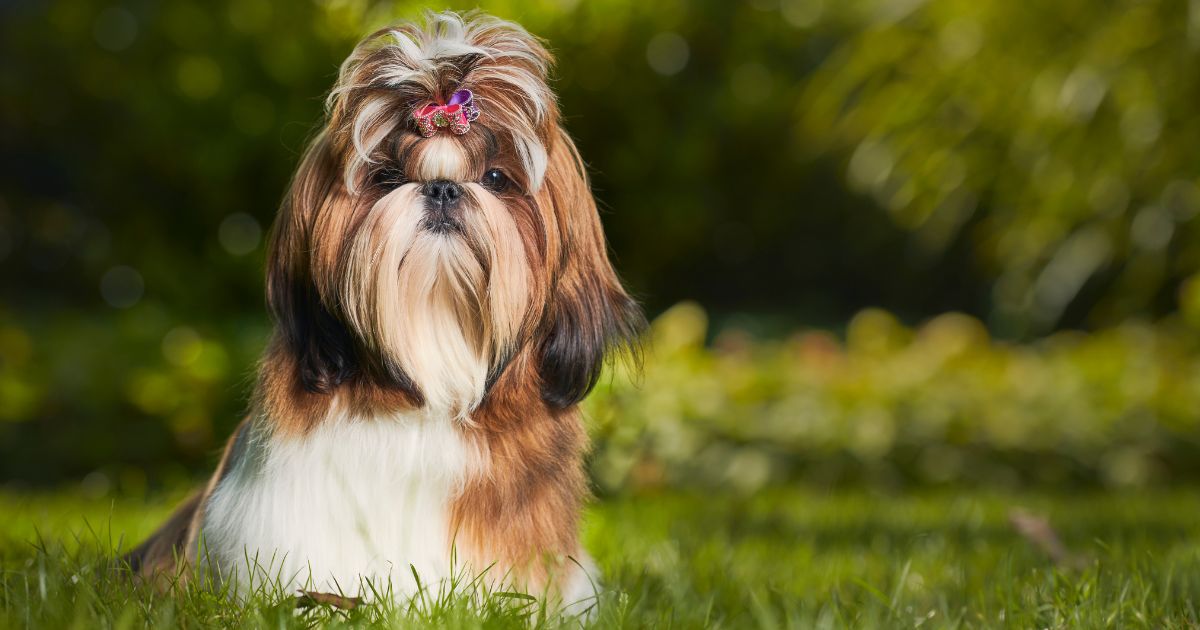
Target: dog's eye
[(388, 178), (494, 180)]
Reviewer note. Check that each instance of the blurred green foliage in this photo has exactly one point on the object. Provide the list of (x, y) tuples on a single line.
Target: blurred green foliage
[(894, 406), (785, 163), (1057, 139)]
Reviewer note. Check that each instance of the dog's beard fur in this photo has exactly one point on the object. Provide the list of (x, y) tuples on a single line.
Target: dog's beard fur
[(444, 307)]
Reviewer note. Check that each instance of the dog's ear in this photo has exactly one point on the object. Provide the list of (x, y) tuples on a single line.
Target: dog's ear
[(322, 347), (589, 315)]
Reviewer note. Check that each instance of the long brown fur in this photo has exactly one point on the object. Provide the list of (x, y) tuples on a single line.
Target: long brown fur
[(523, 515)]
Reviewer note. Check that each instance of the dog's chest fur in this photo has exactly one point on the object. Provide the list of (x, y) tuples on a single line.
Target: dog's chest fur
[(355, 497)]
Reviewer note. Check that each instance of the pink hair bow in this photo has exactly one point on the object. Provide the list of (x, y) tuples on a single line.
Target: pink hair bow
[(457, 115)]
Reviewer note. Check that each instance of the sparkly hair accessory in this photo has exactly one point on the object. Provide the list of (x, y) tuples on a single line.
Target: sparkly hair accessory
[(457, 115)]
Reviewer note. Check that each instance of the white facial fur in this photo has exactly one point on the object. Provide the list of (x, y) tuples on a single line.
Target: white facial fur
[(427, 301), (441, 158)]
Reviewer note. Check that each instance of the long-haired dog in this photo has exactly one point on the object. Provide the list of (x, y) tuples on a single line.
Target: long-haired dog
[(442, 300)]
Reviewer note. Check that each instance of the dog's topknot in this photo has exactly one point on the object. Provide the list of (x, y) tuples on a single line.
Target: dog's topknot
[(399, 68)]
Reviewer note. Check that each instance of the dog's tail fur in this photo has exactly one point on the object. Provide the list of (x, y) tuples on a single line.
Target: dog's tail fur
[(165, 549)]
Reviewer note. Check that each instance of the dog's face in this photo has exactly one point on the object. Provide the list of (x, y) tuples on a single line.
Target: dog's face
[(434, 264)]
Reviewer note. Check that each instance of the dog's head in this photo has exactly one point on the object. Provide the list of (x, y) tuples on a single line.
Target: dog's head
[(425, 248)]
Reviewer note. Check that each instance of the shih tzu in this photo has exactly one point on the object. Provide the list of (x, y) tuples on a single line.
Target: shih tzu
[(442, 300)]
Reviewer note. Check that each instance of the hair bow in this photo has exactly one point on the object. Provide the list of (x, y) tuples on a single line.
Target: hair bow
[(457, 115)]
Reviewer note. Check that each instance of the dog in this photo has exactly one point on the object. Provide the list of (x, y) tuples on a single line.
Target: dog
[(442, 300)]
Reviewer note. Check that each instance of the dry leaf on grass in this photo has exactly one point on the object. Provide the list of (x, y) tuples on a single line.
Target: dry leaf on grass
[(1038, 531), (308, 599)]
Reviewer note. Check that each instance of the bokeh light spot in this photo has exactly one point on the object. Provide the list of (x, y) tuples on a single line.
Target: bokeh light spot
[(1141, 126), (181, 346), (802, 13), (239, 233), (1182, 198), (1152, 228), (212, 364), (667, 53), (153, 392), (1062, 278), (121, 286), (95, 485), (870, 165), (198, 77), (1082, 92), (961, 39), (115, 29)]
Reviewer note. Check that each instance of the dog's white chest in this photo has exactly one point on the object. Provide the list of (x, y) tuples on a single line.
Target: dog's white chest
[(363, 498)]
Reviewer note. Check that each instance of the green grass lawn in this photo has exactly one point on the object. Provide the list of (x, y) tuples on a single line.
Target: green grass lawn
[(780, 558)]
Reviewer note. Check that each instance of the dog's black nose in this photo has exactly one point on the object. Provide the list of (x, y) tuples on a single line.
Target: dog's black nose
[(443, 191), (442, 213)]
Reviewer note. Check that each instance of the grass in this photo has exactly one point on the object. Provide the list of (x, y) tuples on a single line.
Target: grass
[(781, 558)]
